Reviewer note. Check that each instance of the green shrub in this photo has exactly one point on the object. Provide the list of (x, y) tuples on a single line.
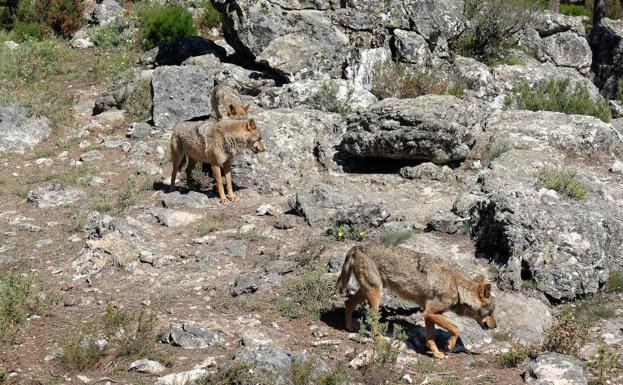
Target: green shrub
[(516, 355), (392, 79), (27, 31), (559, 96), (605, 366), (614, 9), (211, 17), (486, 37), (574, 10), (240, 373), (106, 36), (309, 294), (567, 335), (564, 182), (139, 102), (164, 23), (63, 16), (355, 233), (395, 238), (17, 299)]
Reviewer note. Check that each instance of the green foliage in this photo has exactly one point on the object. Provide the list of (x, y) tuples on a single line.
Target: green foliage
[(106, 36), (516, 355), (139, 102), (564, 182), (210, 17), (504, 60), (486, 38), (79, 355), (62, 16), (590, 309), (310, 251), (615, 282), (208, 224), (392, 79), (614, 9), (605, 366), (309, 294), (30, 31), (301, 372), (328, 98), (164, 23), (395, 238), (252, 302), (560, 96), (574, 9), (17, 299), (3, 375), (567, 335), (338, 375)]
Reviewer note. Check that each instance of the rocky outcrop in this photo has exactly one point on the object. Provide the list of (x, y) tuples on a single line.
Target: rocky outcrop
[(180, 93), (607, 44), (20, 129), (435, 128), (554, 368), (106, 11)]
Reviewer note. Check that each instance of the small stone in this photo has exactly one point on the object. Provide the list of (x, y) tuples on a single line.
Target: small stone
[(43, 162), (182, 378), (247, 228), (617, 167), (263, 209), (110, 118), (147, 366), (190, 335), (407, 378), (175, 218), (91, 156), (245, 283), (10, 44), (285, 222)]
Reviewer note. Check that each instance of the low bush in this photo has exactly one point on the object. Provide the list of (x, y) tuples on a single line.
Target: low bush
[(164, 23), (139, 102), (392, 79), (567, 335), (30, 31), (63, 16), (395, 238), (615, 282), (106, 36), (559, 96), (614, 9), (309, 294), (574, 9), (564, 182)]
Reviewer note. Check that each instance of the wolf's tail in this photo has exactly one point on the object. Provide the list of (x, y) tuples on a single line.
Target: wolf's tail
[(347, 269)]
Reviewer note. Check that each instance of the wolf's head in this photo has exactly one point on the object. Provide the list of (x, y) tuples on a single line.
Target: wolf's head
[(476, 301), (254, 136), (237, 110)]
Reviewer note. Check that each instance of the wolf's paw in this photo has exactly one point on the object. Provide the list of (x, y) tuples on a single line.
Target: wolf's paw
[(233, 197), (439, 355), (224, 201), (451, 346)]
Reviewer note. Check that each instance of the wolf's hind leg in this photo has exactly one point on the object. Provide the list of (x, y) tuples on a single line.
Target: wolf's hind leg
[(350, 305)]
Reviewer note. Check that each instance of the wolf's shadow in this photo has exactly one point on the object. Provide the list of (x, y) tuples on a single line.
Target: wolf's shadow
[(416, 334)]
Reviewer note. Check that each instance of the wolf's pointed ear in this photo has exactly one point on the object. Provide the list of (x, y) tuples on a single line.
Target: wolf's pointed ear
[(480, 279), (251, 125), (486, 291), (246, 108), (232, 110)]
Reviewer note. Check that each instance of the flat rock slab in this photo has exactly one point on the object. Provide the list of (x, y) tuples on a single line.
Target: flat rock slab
[(556, 369), (174, 218), (54, 195), (192, 200), (147, 366), (190, 335), (20, 129), (182, 378)]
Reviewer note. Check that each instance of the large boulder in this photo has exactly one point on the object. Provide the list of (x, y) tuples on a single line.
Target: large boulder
[(559, 39), (435, 128), (294, 43), (554, 369), (526, 324), (564, 246), (105, 11), (20, 129), (180, 93)]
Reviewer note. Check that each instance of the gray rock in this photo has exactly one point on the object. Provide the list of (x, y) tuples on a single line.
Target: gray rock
[(361, 64), (411, 47), (180, 93), (174, 218), (285, 222), (106, 11), (10, 44), (434, 128), (192, 200), (564, 245), (296, 43), (139, 130), (53, 195), (190, 335), (335, 263), (428, 171), (146, 366), (113, 99), (617, 167), (182, 378), (245, 283), (366, 215), (20, 129), (222, 252), (447, 223), (525, 324), (90, 156), (607, 43), (110, 117), (320, 204), (280, 266), (554, 369), (269, 357)]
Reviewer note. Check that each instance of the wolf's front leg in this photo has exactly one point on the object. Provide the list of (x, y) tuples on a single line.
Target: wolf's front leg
[(230, 188), (216, 170)]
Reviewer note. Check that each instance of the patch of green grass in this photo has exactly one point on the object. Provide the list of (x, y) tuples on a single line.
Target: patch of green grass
[(591, 309), (605, 366), (79, 355), (504, 60), (301, 372), (210, 18), (564, 182), (252, 302), (559, 96), (239, 373), (17, 299), (395, 238), (208, 224), (164, 23), (338, 375), (615, 282), (106, 36), (574, 9), (311, 250), (513, 357), (308, 294)]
